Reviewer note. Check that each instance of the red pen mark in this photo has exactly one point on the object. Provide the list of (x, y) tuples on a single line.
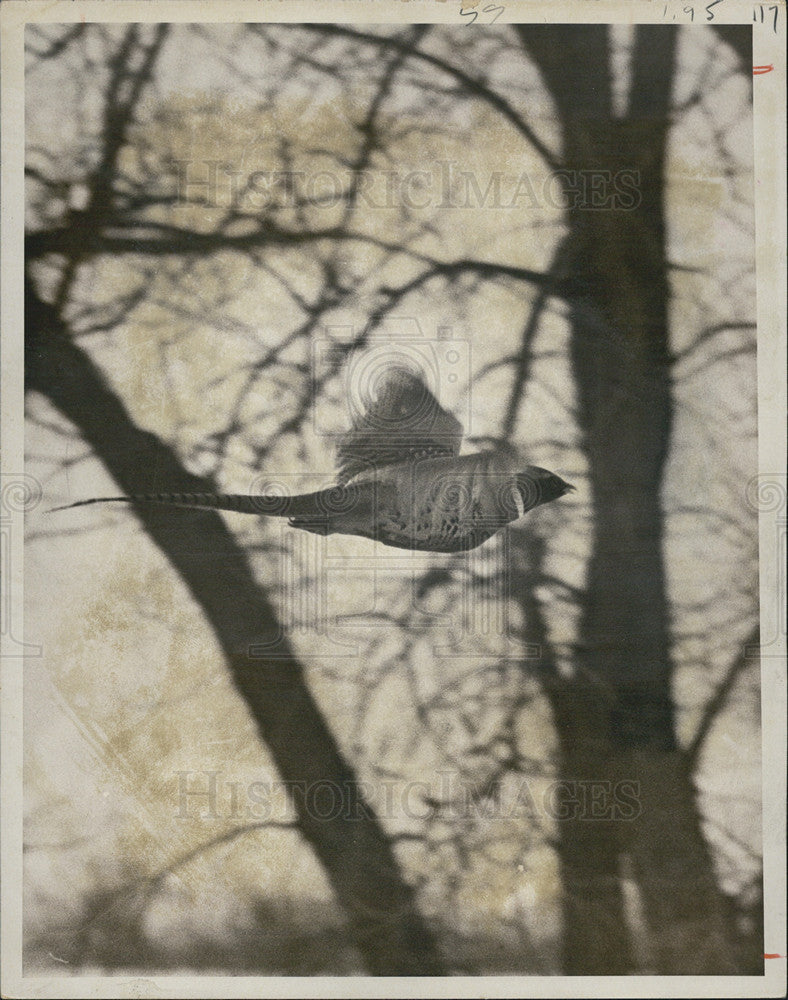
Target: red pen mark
[(757, 70), (774, 956)]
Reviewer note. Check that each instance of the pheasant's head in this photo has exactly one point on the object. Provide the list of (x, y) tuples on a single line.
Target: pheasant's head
[(536, 486)]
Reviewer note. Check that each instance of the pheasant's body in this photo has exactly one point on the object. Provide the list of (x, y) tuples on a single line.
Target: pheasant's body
[(404, 485), (437, 504)]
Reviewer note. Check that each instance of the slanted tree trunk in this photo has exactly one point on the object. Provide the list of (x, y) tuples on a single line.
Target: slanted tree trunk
[(352, 848), (615, 717)]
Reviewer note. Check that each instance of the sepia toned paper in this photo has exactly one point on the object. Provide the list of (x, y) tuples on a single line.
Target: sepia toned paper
[(259, 249)]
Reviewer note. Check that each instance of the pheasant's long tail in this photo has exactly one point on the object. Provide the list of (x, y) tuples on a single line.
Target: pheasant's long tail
[(307, 504)]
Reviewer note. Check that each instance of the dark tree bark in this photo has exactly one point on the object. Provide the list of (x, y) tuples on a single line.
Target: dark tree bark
[(615, 718), (739, 37), (352, 848), (596, 938)]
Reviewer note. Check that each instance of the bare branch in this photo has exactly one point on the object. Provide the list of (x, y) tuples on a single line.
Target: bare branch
[(747, 653), (473, 86)]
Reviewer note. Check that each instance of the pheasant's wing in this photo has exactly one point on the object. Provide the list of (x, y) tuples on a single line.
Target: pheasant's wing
[(403, 421)]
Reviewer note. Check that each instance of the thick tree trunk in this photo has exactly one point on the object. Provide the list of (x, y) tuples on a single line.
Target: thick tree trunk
[(355, 853), (615, 718), (690, 925), (596, 936)]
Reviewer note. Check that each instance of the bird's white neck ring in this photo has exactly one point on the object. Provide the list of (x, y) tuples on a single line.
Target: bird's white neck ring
[(518, 501)]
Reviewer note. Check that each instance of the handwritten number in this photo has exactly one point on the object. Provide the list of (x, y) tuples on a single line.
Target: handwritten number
[(491, 8), (774, 8)]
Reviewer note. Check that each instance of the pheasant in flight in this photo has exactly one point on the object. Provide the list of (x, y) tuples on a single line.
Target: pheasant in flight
[(401, 480)]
